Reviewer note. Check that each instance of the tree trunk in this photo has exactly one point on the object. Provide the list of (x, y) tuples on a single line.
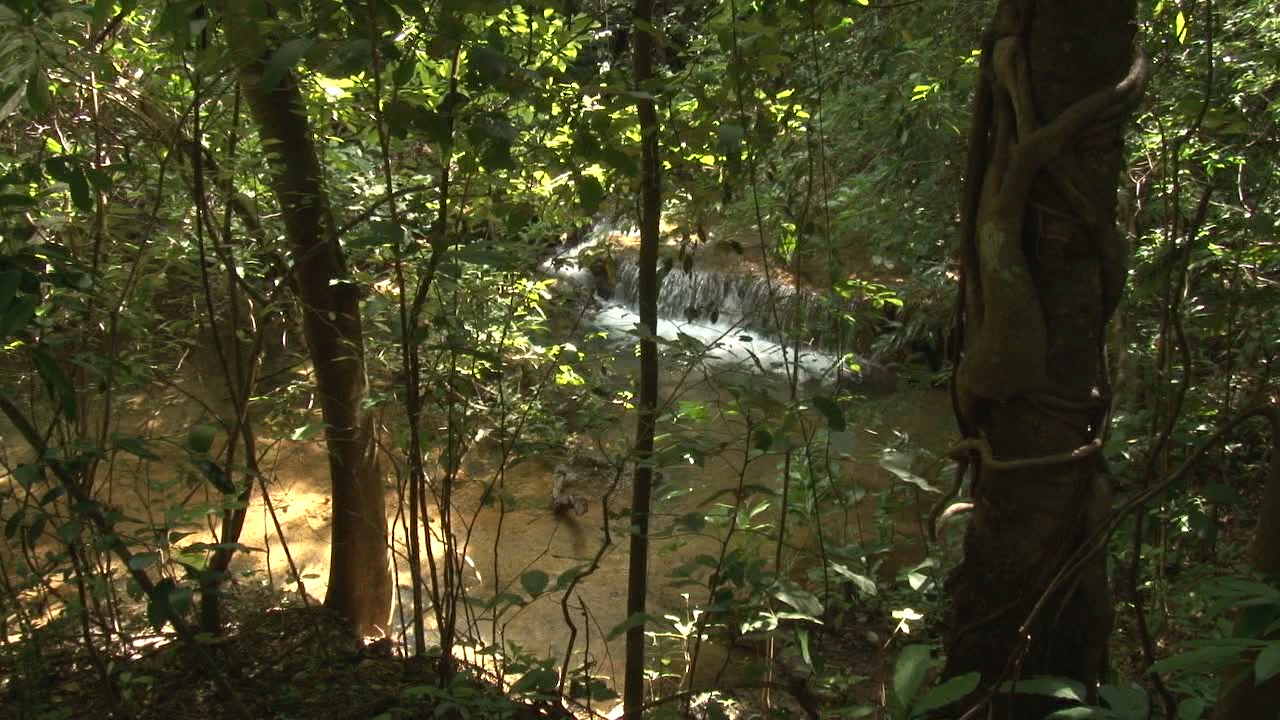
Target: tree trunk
[(641, 490), (359, 572), (1043, 268)]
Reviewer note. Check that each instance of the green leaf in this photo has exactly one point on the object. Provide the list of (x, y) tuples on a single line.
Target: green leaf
[(636, 620), (10, 280), (805, 602), (899, 464), (828, 407), (200, 438), (15, 315), (590, 193), (1200, 660), (1268, 663), (534, 582), (693, 522), (1180, 27), (78, 184), (566, 578), (729, 139), (405, 72), (1082, 713), (282, 61), (1126, 701), (307, 431), (1061, 688), (68, 532), (37, 527), (537, 680), (763, 440), (143, 560), (948, 692), (57, 382), (38, 92), (909, 672), (14, 524), (1191, 708), (216, 476), (135, 446), (864, 584), (165, 600)]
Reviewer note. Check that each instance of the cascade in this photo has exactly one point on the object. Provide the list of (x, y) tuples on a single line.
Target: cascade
[(743, 318)]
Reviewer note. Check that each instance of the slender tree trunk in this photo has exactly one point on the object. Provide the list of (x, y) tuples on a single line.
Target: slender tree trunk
[(650, 212), (359, 572), (1043, 268)]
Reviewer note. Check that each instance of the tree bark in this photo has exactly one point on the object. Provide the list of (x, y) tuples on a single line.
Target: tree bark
[(650, 213), (359, 571), (1043, 268)]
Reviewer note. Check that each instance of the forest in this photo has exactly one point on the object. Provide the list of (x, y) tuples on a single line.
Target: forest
[(889, 359)]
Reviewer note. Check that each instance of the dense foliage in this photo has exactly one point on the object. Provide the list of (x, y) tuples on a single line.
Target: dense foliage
[(162, 448)]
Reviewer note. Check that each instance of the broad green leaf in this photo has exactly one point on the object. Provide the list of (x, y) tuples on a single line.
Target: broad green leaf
[(69, 531), (805, 602), (534, 582), (143, 560), (38, 92), (200, 438), (1180, 27), (283, 61), (10, 280), (1082, 713), (1062, 688), (864, 584), (636, 620), (590, 193), (909, 671), (537, 680), (899, 464), (81, 195), (216, 476), (1268, 663), (762, 440), (946, 693), (729, 139), (14, 523), (15, 315), (1200, 660), (405, 71), (135, 446), (57, 382), (1191, 708), (306, 432), (1127, 701)]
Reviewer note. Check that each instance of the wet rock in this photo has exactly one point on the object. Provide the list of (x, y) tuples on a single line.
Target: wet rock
[(562, 501), (605, 280)]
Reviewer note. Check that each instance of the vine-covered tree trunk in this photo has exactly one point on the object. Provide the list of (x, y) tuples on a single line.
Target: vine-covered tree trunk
[(1043, 268), (359, 572)]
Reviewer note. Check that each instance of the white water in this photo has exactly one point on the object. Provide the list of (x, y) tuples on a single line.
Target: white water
[(733, 338)]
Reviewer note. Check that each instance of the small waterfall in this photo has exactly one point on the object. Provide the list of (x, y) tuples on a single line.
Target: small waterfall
[(745, 299), (738, 315)]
